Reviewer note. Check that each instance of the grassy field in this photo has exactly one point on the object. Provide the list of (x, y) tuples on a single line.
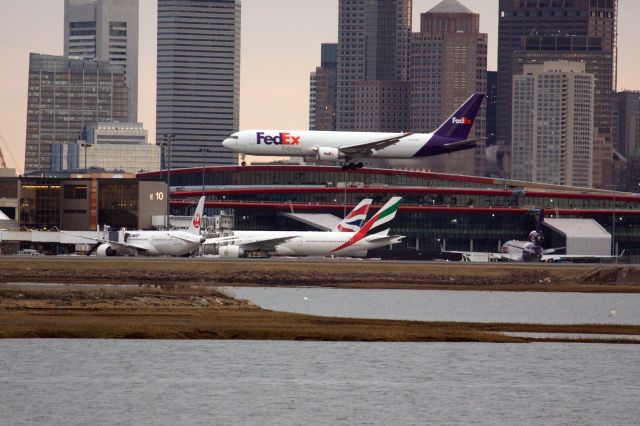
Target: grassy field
[(178, 298)]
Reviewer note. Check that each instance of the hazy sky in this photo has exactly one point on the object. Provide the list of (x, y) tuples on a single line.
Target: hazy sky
[(280, 47)]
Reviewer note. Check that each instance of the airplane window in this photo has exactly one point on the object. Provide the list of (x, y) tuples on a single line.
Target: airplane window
[(234, 137)]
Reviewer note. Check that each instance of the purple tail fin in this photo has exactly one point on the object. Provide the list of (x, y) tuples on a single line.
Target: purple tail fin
[(459, 124)]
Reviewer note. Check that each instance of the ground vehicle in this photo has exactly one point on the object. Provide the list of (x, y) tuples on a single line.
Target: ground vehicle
[(28, 252)]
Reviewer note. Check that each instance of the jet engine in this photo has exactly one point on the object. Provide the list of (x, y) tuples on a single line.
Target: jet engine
[(231, 252), (327, 154), (106, 250)]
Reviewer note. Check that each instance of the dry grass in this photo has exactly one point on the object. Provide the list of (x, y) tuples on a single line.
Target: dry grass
[(177, 298)]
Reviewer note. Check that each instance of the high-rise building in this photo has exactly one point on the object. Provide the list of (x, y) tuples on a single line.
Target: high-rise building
[(106, 30), (552, 132), (198, 83), (373, 42), (322, 94), (627, 124), (554, 30), (448, 63), (626, 140), (63, 95)]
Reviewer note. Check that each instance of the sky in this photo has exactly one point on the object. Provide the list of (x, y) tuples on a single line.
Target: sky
[(280, 46)]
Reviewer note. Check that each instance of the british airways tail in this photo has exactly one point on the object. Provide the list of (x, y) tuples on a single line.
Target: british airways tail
[(452, 135), (196, 220), (354, 220)]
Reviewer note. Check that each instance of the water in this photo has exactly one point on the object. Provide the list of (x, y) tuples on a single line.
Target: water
[(433, 305), (164, 382)]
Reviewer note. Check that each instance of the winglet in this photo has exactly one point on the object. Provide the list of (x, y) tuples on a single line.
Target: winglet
[(196, 220)]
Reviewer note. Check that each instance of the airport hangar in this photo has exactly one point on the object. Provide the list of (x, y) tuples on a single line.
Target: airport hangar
[(438, 210)]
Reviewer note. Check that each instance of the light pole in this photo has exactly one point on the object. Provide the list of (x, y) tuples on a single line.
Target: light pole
[(86, 146), (613, 228), (168, 138), (202, 151)]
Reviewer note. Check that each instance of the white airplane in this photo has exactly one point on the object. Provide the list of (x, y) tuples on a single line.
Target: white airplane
[(373, 234), (156, 243), (450, 137)]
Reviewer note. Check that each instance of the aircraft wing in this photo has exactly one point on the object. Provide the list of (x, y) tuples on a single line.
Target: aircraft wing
[(251, 243), (576, 257), (366, 147), (113, 243), (478, 256), (463, 143), (391, 239)]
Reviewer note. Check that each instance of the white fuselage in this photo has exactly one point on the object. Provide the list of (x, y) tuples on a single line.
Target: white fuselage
[(311, 243), (305, 143), (162, 243)]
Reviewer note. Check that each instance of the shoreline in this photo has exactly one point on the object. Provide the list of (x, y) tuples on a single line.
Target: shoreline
[(179, 299)]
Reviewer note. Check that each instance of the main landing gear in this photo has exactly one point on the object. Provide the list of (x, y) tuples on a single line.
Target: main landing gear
[(352, 166)]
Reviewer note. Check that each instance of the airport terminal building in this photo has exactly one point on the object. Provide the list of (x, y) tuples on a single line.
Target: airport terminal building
[(438, 211)]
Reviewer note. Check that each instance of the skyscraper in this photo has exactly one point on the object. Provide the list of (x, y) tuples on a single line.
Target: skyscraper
[(626, 139), (448, 63), (552, 133), (322, 96), (106, 30), (373, 42), (548, 27), (64, 94), (198, 79)]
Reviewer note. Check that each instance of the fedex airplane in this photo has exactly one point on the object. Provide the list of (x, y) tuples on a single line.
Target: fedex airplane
[(450, 136), (373, 234), (156, 243)]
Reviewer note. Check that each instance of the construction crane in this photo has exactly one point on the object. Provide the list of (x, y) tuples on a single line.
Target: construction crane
[(4, 148)]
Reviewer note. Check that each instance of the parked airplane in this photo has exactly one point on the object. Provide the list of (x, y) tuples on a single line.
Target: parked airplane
[(450, 137), (515, 250), (156, 243), (373, 234), (356, 217), (526, 251)]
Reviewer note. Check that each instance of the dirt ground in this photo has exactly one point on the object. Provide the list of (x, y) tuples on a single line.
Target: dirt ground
[(179, 298)]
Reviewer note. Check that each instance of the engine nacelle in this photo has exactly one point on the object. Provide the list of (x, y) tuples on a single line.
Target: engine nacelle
[(324, 154), (232, 252), (107, 250)]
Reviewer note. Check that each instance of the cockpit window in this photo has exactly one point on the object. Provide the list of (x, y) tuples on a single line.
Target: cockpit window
[(234, 137)]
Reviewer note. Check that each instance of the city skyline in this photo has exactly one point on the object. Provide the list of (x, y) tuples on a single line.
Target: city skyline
[(274, 73)]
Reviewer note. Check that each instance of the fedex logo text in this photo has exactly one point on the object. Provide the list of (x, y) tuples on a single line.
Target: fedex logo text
[(463, 120), (280, 139)]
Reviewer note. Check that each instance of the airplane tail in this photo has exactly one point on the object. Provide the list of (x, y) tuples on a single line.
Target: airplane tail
[(354, 220), (196, 220), (459, 124), (380, 223)]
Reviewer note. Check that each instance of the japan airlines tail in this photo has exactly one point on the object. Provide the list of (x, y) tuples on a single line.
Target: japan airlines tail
[(373, 234), (156, 243), (451, 136)]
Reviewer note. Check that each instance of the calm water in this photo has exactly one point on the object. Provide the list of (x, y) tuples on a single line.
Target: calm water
[(126, 382), (466, 306)]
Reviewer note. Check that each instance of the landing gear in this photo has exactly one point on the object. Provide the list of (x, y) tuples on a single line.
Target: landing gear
[(242, 162), (352, 166)]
